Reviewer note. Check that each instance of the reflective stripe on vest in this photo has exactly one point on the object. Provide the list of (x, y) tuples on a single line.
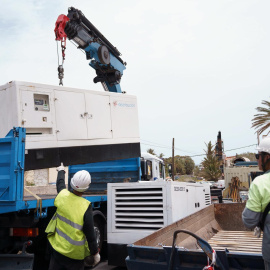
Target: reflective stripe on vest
[(72, 224), (71, 241), (68, 237)]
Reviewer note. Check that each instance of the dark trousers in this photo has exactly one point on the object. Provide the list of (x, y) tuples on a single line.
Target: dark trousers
[(57, 264)]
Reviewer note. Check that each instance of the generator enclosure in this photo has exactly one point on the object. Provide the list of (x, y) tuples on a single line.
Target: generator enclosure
[(135, 210), (60, 117)]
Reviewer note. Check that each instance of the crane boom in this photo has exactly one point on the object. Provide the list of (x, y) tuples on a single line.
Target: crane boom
[(105, 58)]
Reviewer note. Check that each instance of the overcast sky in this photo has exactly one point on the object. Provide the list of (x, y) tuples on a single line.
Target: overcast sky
[(196, 67)]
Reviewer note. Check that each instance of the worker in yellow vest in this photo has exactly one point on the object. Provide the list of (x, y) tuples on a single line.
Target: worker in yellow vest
[(71, 230), (256, 213)]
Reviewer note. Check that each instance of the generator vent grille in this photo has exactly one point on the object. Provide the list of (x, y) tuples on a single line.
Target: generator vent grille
[(207, 199), (139, 209)]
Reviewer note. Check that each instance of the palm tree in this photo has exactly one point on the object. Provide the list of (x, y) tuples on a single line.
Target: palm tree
[(211, 164), (161, 155), (261, 120), (151, 151)]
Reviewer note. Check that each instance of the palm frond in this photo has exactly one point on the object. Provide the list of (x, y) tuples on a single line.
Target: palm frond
[(261, 120)]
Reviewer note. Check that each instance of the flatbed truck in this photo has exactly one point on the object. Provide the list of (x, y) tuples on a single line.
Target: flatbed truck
[(24, 215)]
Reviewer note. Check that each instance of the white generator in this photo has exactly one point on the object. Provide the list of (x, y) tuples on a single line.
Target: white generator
[(59, 117), (136, 210)]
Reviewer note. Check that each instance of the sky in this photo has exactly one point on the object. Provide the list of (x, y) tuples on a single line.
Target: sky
[(196, 67)]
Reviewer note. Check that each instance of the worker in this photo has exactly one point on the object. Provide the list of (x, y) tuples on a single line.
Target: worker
[(259, 197), (72, 225)]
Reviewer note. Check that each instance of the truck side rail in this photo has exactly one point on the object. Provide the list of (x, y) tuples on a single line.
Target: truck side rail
[(12, 157), (158, 258)]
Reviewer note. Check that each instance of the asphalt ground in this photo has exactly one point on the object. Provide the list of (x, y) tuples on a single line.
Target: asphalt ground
[(103, 265)]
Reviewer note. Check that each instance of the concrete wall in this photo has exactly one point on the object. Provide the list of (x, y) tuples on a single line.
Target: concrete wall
[(42, 177)]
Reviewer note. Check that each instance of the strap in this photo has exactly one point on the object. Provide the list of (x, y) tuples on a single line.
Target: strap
[(266, 211), (39, 201), (213, 263)]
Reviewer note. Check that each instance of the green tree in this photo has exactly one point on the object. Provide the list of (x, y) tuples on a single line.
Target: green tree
[(261, 120), (211, 165), (182, 165), (151, 151), (167, 161), (161, 155), (179, 165), (198, 171), (189, 165)]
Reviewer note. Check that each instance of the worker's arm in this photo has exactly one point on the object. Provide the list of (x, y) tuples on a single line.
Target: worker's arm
[(60, 182), (252, 213), (250, 218), (88, 229)]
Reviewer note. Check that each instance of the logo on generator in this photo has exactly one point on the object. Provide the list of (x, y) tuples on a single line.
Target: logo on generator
[(123, 105), (179, 188)]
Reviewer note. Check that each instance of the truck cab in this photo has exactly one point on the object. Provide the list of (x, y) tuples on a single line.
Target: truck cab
[(153, 168)]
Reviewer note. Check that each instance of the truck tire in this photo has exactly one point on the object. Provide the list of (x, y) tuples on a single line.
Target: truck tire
[(99, 231)]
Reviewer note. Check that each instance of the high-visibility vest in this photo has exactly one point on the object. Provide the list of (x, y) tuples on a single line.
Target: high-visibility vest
[(258, 195), (65, 228)]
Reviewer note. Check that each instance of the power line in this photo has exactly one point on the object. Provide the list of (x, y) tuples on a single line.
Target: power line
[(240, 147), (168, 147), (163, 146), (156, 145), (227, 150)]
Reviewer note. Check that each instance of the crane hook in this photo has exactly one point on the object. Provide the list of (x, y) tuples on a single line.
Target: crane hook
[(60, 74)]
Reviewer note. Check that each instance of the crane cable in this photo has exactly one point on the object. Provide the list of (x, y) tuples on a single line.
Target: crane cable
[(190, 152), (60, 67), (57, 53)]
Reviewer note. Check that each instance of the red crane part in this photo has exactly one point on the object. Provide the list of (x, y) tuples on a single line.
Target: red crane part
[(60, 26), (60, 32)]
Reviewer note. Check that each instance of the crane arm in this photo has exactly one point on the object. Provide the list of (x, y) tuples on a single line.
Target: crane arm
[(105, 58)]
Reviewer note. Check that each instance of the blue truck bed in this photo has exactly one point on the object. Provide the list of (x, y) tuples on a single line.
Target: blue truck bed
[(148, 258), (12, 158), (219, 224), (24, 214)]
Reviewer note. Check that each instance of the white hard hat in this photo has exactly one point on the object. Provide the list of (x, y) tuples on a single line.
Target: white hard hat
[(81, 181), (264, 145)]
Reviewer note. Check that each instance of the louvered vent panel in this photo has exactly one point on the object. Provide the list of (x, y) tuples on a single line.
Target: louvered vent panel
[(207, 199), (139, 209)]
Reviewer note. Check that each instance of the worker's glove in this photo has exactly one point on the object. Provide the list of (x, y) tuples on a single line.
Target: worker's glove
[(92, 260), (96, 259), (60, 168), (257, 232)]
